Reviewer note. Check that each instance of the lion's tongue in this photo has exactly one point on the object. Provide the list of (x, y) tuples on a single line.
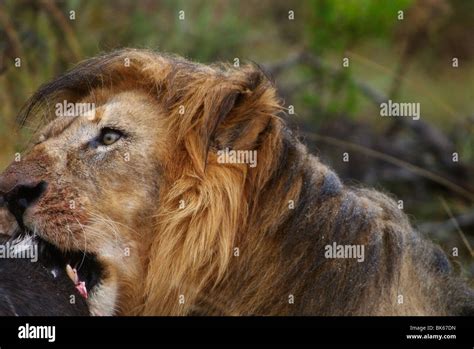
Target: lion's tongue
[(81, 287), (74, 276)]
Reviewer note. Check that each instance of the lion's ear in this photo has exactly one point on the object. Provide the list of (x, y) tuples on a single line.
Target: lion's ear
[(237, 95), (230, 105), (223, 108)]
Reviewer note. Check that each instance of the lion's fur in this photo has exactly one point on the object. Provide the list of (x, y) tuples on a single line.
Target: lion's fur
[(190, 251)]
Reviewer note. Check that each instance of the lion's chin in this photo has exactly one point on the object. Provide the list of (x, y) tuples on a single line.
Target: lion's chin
[(102, 301)]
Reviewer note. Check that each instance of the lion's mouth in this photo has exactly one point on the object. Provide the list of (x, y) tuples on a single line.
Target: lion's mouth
[(83, 268)]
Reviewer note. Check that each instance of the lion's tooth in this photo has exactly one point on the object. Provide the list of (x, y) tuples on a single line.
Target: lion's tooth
[(72, 273)]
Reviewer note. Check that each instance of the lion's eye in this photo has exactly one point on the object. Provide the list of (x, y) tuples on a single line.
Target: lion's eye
[(109, 136)]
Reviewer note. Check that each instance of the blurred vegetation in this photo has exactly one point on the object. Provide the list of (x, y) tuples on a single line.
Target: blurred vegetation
[(336, 107)]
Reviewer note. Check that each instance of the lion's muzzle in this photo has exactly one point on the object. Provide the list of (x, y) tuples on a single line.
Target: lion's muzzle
[(18, 192)]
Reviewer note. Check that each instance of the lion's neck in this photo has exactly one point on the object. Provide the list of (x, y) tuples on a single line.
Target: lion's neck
[(271, 246), (228, 247)]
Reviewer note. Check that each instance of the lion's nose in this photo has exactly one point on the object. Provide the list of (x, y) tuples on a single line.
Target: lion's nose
[(21, 197)]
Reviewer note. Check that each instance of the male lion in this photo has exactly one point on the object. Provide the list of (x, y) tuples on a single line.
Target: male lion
[(139, 186)]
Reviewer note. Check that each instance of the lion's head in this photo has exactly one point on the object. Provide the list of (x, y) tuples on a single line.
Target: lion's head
[(125, 170)]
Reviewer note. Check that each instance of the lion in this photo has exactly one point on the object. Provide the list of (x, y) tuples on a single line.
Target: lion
[(136, 184)]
